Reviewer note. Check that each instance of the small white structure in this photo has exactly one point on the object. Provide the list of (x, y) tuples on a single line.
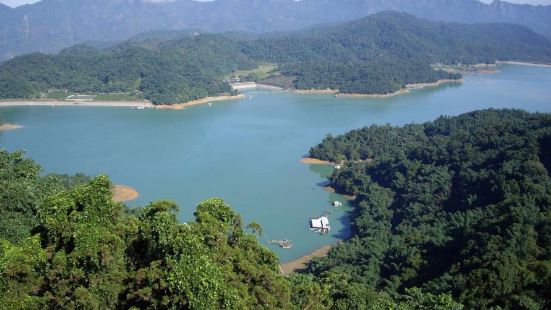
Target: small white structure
[(337, 204), (338, 167), (320, 224)]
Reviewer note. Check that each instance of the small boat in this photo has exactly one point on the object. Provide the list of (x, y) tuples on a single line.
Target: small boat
[(210, 104)]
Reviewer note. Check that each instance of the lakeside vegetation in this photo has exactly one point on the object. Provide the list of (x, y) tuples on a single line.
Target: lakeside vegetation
[(379, 54), (460, 205), (64, 243), (450, 214)]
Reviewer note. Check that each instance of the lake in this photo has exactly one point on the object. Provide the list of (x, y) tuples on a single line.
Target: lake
[(248, 151)]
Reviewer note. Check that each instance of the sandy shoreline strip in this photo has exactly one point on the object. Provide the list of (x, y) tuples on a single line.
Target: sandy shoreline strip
[(83, 103), (7, 127), (125, 104), (522, 63), (269, 87), (315, 161), (315, 91), (396, 93), (122, 193), (206, 100), (302, 263)]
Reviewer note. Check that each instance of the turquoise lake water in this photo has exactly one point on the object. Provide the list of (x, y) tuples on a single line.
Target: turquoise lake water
[(248, 151)]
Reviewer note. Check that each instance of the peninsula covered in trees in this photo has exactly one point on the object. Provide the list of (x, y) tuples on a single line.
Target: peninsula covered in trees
[(65, 244), (379, 54), (461, 204)]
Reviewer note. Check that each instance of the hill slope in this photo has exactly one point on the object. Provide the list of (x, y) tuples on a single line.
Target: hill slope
[(51, 25), (459, 204), (375, 55)]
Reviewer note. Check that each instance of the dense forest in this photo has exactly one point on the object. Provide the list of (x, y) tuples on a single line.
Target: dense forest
[(461, 204), (378, 54), (65, 244)]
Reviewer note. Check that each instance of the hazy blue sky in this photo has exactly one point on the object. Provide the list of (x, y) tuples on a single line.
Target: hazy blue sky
[(14, 3)]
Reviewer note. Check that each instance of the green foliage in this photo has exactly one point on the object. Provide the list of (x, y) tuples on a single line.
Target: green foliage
[(22, 190), (70, 181), (82, 250), (457, 205), (378, 54)]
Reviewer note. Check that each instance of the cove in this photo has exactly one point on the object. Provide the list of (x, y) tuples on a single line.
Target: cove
[(248, 151)]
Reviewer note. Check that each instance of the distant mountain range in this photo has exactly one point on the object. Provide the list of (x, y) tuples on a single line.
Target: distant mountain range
[(379, 54), (51, 25)]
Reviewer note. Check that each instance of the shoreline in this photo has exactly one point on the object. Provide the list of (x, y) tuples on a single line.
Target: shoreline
[(254, 85), (123, 193), (74, 103), (315, 161), (114, 104), (6, 127), (302, 262), (402, 91), (269, 87), (479, 68), (315, 91), (523, 63), (206, 100), (331, 189)]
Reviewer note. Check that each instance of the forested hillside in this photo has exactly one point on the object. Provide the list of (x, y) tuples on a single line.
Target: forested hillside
[(51, 25), (375, 55), (461, 204), (64, 244)]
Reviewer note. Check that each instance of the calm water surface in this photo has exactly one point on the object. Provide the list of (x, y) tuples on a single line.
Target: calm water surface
[(248, 151)]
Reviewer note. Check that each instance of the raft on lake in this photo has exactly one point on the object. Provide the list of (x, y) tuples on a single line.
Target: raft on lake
[(286, 244), (320, 224)]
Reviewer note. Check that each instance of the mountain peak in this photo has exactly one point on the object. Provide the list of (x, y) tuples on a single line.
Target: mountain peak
[(55, 24)]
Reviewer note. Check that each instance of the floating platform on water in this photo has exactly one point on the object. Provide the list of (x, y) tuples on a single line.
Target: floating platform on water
[(286, 244), (320, 224)]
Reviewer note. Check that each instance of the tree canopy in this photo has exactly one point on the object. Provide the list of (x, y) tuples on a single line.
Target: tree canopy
[(77, 248), (460, 205)]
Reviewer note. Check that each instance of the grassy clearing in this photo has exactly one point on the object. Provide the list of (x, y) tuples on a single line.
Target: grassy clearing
[(262, 72), (58, 95)]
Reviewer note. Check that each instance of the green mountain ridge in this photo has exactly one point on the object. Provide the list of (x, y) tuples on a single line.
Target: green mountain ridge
[(375, 55), (51, 25)]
